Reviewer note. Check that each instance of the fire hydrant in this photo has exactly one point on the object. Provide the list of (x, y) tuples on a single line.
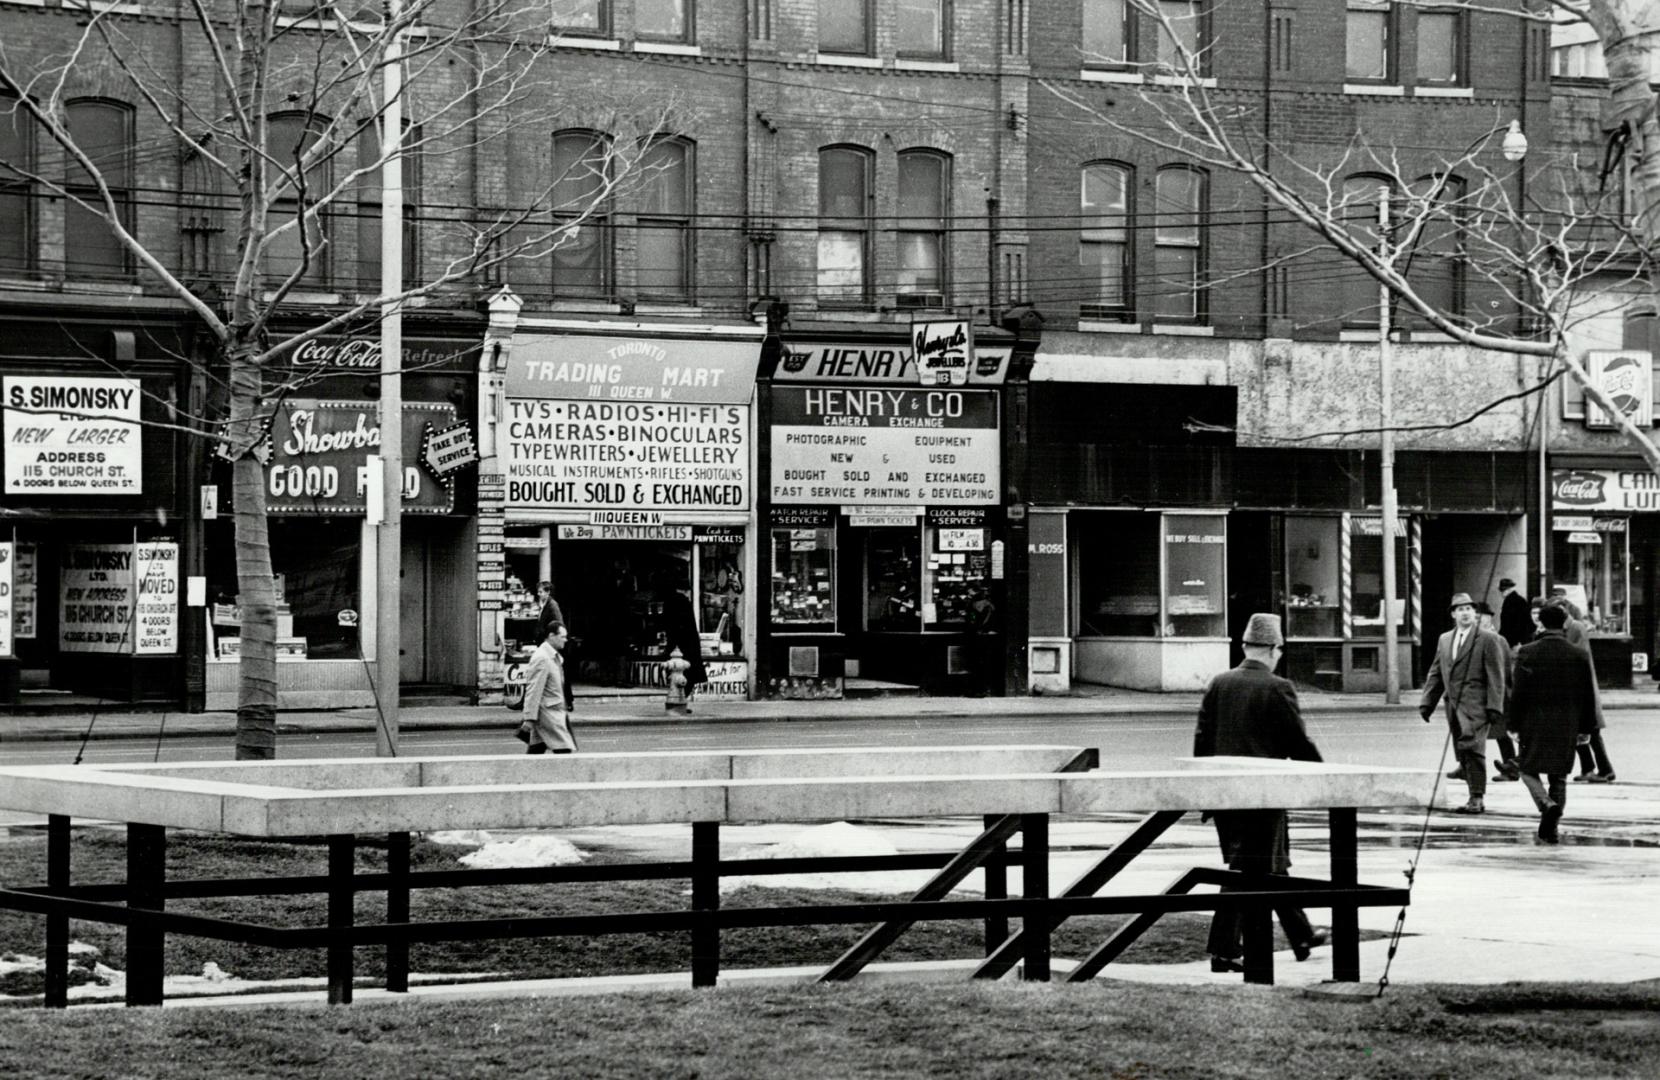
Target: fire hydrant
[(674, 668)]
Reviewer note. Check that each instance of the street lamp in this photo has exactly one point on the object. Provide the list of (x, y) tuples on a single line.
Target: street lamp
[(1514, 146)]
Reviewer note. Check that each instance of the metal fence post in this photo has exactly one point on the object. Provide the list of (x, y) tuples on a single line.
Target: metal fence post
[(342, 856), (146, 944), (1034, 873), (996, 871), (57, 926), (1345, 919), (397, 911), (706, 898)]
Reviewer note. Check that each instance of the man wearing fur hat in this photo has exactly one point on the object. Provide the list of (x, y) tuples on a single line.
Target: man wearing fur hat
[(1469, 673), (1251, 712)]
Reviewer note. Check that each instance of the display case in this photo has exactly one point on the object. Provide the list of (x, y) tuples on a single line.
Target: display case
[(1591, 569), (956, 582), (804, 579), (1313, 572)]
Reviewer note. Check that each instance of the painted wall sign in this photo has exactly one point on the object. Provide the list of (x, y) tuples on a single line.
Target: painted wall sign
[(602, 455), (944, 352), (363, 354), (616, 368), (156, 623), (870, 446), (880, 362), (1604, 489), (71, 436), (320, 452)]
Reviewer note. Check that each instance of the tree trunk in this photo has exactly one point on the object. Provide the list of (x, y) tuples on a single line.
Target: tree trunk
[(256, 697)]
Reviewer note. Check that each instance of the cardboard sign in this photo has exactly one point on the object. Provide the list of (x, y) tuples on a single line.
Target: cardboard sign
[(72, 436), (156, 568), (95, 599)]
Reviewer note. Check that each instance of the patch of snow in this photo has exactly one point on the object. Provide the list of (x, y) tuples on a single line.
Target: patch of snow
[(473, 838), (525, 851), (838, 838)]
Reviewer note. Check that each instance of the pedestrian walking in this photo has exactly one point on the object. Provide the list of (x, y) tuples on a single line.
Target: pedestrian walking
[(545, 710), (1468, 673), (548, 616), (1594, 766), (1515, 620), (1505, 769), (1251, 712), (1553, 709)]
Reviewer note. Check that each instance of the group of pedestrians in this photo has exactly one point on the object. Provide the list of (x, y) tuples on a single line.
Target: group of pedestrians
[(1531, 679)]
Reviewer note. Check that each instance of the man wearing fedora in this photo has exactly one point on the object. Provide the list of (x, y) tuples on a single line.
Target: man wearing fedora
[(1251, 712), (1469, 673)]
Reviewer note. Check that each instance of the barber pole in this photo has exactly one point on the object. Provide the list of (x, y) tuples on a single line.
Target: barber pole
[(1415, 560), (1346, 568)]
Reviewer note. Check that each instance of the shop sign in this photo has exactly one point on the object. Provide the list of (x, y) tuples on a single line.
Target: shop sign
[(319, 463), (879, 362), (490, 547), (882, 521), (615, 368), (1584, 538), (625, 532), (363, 354), (581, 455), (960, 540), (728, 679), (1604, 489), (716, 534), (1627, 378), (72, 436), (1587, 523), (864, 446), (802, 517), (118, 598), (156, 568), (444, 451), (24, 591), (7, 593), (1373, 526), (961, 517), (944, 352)]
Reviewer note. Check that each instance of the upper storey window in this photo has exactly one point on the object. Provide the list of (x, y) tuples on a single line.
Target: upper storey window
[(104, 132)]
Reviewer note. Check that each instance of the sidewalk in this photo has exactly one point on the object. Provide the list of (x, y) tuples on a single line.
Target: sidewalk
[(601, 708)]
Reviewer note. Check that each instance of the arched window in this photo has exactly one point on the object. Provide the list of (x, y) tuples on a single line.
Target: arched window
[(296, 185), (664, 247), (17, 147), (103, 130), (200, 216), (844, 225), (1104, 248), (924, 200), (1359, 209), (1179, 245), (1435, 266), (581, 207), (369, 203)]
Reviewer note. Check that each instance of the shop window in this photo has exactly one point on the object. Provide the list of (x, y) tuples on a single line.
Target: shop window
[(1179, 251), (591, 18), (1371, 41), (16, 205), (804, 579), (663, 20), (1104, 241), (296, 189), (844, 225), (1436, 263), (663, 245), (923, 179), (1107, 32), (893, 580), (1590, 568), (1118, 574), (581, 182), (844, 26), (1314, 576), (1441, 47), (956, 583), (720, 598), (1195, 573), (921, 29), (315, 561), (104, 132), (369, 203), (1366, 585)]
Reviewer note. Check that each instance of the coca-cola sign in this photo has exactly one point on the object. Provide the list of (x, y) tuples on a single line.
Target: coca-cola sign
[(363, 354), (1631, 490), (1576, 487)]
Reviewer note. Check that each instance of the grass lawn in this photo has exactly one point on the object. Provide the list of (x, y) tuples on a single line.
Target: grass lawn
[(99, 855), (1111, 1030)]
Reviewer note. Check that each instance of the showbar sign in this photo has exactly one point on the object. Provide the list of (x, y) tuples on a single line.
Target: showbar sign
[(72, 436), (871, 446)]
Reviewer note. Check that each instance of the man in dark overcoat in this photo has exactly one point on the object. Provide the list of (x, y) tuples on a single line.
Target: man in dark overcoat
[(1251, 712), (1515, 617), (1553, 707), (1468, 670)]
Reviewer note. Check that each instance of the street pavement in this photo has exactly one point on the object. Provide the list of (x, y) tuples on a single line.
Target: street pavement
[(1489, 905)]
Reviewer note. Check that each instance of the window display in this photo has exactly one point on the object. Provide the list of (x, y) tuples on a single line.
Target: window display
[(315, 560), (1195, 556), (1366, 555), (1314, 576), (1118, 574), (1590, 568), (893, 580), (804, 578), (720, 595), (956, 585)]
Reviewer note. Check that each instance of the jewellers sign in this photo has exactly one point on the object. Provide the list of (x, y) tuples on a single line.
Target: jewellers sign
[(1604, 489), (319, 457), (944, 352)]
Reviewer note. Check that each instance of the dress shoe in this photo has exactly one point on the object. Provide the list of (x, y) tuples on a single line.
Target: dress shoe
[(1600, 778), (1503, 777), (1509, 770), (1315, 940), (1226, 965), (1580, 778), (1474, 806), (1456, 774), (1547, 824)]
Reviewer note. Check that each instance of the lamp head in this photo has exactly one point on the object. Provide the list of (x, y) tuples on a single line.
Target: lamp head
[(1514, 146)]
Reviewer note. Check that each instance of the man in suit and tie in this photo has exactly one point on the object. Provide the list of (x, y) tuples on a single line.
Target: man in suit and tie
[(1469, 672)]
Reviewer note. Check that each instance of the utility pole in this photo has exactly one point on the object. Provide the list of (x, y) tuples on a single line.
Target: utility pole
[(1386, 442), (389, 550)]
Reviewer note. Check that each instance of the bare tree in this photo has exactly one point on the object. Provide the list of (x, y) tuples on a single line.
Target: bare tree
[(1540, 252), (478, 76)]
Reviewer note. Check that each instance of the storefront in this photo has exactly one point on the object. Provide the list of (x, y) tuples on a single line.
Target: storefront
[(626, 456), (885, 557), (1334, 603), (1604, 538), (95, 521), (324, 543)]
